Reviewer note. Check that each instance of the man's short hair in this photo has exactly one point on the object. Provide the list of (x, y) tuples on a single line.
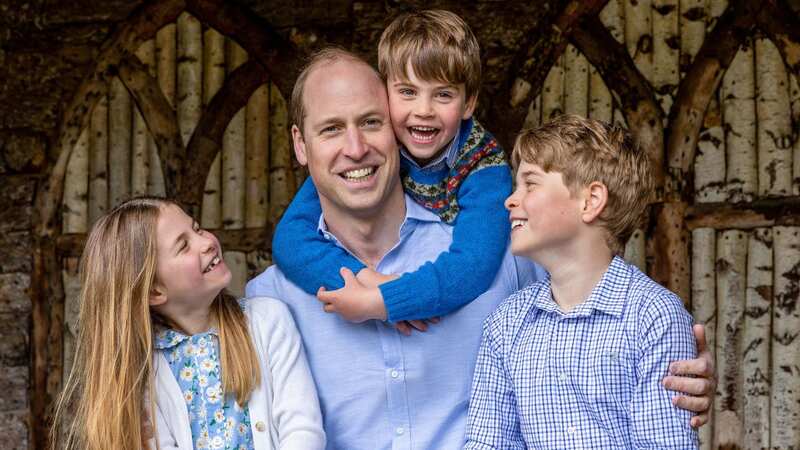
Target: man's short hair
[(586, 150), (327, 55), (438, 44)]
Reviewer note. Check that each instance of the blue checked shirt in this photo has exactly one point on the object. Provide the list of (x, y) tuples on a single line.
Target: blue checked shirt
[(586, 379)]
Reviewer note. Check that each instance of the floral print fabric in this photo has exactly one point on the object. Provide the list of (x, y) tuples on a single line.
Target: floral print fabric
[(218, 422)]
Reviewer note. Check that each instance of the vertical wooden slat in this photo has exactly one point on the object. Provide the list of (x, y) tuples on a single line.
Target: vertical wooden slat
[(75, 212), (613, 17), (704, 304), (234, 177), (794, 87), (534, 117), (692, 23), (756, 339), (638, 34), (601, 104), (785, 400), (75, 219), (213, 78), (257, 210), (119, 142), (731, 272), (709, 163), (666, 52), (774, 112), (98, 160), (190, 73), (576, 81), (142, 140), (739, 119), (282, 182), (553, 92), (166, 54)]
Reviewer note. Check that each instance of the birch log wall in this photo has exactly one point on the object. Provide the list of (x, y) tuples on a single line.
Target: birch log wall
[(708, 88), (115, 158), (744, 275)]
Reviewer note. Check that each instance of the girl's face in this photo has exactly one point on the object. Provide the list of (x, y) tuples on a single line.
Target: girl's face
[(190, 271)]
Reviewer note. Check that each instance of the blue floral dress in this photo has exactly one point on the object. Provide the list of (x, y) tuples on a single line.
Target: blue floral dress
[(217, 420)]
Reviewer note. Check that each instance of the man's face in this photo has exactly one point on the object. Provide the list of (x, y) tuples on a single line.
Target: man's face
[(347, 139)]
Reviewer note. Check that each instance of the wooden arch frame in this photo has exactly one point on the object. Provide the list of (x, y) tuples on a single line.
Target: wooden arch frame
[(267, 50), (673, 153)]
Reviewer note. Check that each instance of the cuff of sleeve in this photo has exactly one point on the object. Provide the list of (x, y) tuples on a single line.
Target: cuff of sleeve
[(407, 298)]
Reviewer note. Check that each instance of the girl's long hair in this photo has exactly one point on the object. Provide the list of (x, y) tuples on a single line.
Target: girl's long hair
[(104, 400)]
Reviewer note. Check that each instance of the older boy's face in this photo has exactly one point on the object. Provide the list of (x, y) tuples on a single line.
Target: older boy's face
[(426, 115), (543, 214)]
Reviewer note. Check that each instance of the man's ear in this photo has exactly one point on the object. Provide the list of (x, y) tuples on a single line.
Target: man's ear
[(594, 201), (469, 107), (299, 145), (158, 295)]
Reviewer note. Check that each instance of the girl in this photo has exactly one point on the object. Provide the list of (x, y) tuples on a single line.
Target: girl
[(155, 323)]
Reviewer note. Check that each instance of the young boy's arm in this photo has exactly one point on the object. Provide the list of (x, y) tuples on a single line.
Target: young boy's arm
[(303, 255), (492, 422), (458, 275), (664, 335)]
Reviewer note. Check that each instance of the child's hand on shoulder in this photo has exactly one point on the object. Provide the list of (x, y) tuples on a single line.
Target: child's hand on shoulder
[(360, 299)]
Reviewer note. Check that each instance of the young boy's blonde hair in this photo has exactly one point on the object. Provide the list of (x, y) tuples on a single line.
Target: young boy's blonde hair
[(586, 150), (437, 44)]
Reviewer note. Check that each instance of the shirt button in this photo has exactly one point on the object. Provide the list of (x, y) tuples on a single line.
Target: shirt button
[(399, 431), (260, 427), (571, 429), (394, 374), (562, 376)]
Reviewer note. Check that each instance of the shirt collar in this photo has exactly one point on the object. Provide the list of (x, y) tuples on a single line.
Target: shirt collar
[(448, 156), (167, 338), (608, 296), (414, 213)]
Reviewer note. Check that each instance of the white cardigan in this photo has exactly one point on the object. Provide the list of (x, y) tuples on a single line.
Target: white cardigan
[(284, 408)]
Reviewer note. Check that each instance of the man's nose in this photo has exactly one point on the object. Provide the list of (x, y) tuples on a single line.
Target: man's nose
[(356, 147)]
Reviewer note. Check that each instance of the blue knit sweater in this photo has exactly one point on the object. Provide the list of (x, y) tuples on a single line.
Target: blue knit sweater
[(467, 192)]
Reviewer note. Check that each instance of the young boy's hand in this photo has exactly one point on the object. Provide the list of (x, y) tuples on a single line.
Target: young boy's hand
[(697, 378), (357, 301)]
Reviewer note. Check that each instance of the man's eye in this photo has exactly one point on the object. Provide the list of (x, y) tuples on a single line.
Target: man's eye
[(372, 123), (329, 130)]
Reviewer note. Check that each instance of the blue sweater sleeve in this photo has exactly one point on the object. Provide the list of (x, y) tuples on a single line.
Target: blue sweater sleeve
[(471, 263), (303, 255)]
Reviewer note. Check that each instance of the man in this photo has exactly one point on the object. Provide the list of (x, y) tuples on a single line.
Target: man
[(378, 389)]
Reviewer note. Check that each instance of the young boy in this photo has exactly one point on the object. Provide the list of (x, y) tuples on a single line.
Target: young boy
[(576, 360), (450, 165)]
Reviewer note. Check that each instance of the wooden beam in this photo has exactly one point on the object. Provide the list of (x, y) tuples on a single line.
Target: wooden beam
[(160, 118), (537, 55), (760, 213), (242, 240), (207, 137), (279, 57), (698, 87), (637, 97)]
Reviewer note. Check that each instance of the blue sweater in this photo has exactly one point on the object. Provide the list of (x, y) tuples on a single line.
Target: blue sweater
[(467, 191)]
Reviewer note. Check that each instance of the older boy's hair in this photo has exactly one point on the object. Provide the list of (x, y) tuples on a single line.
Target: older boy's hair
[(587, 150), (438, 44), (327, 55)]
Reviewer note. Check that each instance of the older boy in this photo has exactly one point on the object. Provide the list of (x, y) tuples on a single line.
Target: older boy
[(576, 360), (450, 165)]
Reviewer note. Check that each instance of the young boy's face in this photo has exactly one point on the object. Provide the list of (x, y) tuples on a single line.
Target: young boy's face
[(544, 215), (426, 115)]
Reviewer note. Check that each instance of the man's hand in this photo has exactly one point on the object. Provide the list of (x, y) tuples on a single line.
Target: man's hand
[(696, 378), (355, 302)]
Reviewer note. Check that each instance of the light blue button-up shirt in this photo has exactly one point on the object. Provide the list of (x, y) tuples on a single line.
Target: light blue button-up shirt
[(379, 389)]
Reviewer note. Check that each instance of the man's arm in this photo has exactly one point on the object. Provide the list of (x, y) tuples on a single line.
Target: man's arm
[(492, 421), (695, 379)]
